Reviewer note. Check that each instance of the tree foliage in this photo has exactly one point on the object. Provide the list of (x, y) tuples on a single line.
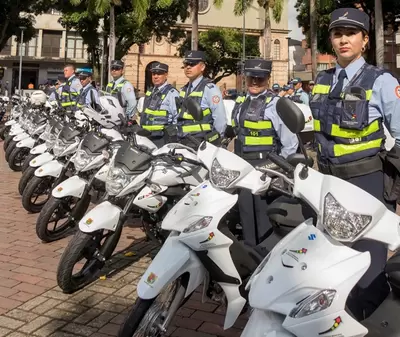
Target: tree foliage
[(391, 11), (223, 47), (19, 13)]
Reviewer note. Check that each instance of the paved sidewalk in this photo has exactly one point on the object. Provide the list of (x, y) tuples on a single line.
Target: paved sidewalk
[(31, 304)]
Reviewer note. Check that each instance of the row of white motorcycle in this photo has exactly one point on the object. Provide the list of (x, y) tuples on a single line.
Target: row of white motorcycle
[(297, 283)]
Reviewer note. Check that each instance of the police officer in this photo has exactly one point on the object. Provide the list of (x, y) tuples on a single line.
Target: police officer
[(259, 131), (311, 87), (276, 88), (349, 104), (71, 88), (88, 95), (55, 91), (122, 85), (208, 95), (283, 92), (159, 107), (290, 93), (299, 92)]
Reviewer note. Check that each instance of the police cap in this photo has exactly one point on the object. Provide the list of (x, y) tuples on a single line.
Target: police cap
[(257, 67), (84, 71), (117, 64), (195, 56), (158, 67), (296, 80), (61, 79), (349, 17), (276, 86), (285, 88)]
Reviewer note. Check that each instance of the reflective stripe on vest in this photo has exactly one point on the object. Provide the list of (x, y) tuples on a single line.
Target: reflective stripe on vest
[(254, 136), (185, 119), (345, 135)]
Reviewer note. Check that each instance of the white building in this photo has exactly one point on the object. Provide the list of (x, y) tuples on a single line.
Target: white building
[(43, 57)]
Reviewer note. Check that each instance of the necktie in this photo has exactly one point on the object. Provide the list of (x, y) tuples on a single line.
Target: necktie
[(190, 88), (113, 86), (337, 90)]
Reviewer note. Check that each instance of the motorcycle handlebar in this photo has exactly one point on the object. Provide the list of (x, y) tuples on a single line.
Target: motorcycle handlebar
[(281, 162)]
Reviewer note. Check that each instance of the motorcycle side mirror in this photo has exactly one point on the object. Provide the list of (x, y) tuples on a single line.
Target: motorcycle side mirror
[(293, 118), (290, 114), (299, 158), (193, 108)]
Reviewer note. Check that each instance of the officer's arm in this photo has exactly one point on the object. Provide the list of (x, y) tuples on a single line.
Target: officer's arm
[(75, 89), (386, 98), (171, 103), (92, 92), (288, 139), (128, 93), (214, 101), (305, 98)]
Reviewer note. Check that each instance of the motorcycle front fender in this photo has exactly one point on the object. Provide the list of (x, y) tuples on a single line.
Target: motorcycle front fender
[(39, 149), (73, 186), (103, 216), (27, 142), (41, 159), (173, 260), (10, 123), (20, 136), (52, 168)]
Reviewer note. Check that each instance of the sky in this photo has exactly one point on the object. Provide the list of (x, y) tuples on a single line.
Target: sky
[(295, 30)]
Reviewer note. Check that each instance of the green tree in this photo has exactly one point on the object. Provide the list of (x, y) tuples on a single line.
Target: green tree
[(242, 6), (17, 13), (390, 10), (223, 47)]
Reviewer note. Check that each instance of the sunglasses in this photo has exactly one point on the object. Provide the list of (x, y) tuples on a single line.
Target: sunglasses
[(158, 72), (116, 68), (190, 63)]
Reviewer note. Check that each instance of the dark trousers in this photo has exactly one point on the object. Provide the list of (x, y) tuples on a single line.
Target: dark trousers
[(372, 289), (253, 214)]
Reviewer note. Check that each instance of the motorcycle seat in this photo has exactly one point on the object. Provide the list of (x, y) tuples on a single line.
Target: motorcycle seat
[(392, 269)]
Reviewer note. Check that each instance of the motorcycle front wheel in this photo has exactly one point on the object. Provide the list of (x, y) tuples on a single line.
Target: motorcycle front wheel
[(28, 159), (37, 192), (17, 158), (25, 178), (148, 316), (70, 209), (96, 248), (4, 130), (10, 148), (7, 141)]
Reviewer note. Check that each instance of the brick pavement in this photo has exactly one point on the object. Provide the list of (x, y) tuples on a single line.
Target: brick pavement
[(31, 304)]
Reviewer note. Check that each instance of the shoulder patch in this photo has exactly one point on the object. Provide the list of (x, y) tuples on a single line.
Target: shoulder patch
[(397, 91), (216, 99)]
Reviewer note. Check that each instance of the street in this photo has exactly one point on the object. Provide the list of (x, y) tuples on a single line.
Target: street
[(31, 304)]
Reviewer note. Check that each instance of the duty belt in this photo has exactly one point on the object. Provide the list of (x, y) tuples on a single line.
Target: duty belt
[(352, 169)]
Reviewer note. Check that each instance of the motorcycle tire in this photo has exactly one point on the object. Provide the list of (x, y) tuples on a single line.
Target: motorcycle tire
[(30, 189), (27, 161), (3, 131), (72, 218), (11, 146), (143, 308), (81, 244), (7, 141), (17, 158), (25, 178)]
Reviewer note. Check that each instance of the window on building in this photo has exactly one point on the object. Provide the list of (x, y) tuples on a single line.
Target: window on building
[(29, 48), (75, 46), (277, 50), (54, 12), (51, 43), (204, 5), (7, 48), (322, 66)]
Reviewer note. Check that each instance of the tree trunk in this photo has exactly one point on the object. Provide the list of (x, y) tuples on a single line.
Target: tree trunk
[(195, 24), (379, 35), (313, 38), (111, 50), (267, 35)]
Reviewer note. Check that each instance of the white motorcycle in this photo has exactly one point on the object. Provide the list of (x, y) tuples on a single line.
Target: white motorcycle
[(301, 288), (201, 247)]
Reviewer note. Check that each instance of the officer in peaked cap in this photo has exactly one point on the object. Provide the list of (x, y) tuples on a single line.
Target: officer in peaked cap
[(276, 88), (121, 85), (56, 90), (299, 92), (200, 88), (159, 107), (259, 131), (349, 104), (88, 96)]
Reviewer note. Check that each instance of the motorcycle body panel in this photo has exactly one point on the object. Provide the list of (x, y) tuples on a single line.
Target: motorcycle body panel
[(39, 149), (102, 173), (52, 168), (28, 142), (150, 200), (20, 136), (10, 122), (41, 159)]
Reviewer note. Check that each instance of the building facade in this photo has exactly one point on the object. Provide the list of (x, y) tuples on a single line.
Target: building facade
[(139, 58), (43, 57)]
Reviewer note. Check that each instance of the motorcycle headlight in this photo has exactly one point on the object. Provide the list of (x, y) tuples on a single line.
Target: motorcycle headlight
[(50, 140), (82, 159), (31, 129), (116, 180), (341, 224), (315, 303), (221, 177), (46, 134), (198, 224), (59, 147)]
